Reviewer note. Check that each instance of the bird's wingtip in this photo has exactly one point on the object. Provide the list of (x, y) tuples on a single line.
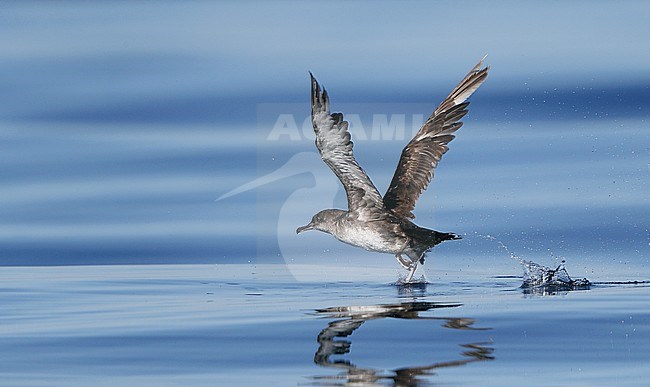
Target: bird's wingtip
[(480, 63)]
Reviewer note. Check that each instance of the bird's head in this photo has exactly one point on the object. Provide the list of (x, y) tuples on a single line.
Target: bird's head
[(322, 221)]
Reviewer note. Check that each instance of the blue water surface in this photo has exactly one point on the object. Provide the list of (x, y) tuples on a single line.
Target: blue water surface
[(252, 325)]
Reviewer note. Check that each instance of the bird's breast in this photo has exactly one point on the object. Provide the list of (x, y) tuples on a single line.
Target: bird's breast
[(382, 237)]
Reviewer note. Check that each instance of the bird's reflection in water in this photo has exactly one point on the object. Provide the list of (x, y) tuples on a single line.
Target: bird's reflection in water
[(350, 318)]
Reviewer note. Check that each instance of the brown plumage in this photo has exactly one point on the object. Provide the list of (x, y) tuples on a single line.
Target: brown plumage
[(421, 156), (382, 224)]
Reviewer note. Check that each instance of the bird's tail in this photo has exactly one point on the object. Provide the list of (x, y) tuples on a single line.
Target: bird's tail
[(423, 239), (430, 238)]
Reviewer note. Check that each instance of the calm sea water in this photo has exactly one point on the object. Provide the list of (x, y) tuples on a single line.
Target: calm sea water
[(156, 162), (254, 325)]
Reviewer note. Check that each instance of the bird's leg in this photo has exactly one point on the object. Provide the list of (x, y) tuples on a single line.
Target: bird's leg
[(403, 262), (414, 258), (414, 266)]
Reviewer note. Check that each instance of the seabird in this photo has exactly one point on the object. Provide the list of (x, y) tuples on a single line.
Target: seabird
[(373, 222)]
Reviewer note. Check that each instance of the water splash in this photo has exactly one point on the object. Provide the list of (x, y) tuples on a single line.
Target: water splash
[(558, 279), (502, 246), (415, 282), (541, 279)]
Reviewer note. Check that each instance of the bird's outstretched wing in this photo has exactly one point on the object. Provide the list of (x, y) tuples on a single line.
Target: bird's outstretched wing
[(335, 147), (421, 156)]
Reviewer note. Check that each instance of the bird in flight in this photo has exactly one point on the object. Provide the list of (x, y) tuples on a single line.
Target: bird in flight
[(383, 224)]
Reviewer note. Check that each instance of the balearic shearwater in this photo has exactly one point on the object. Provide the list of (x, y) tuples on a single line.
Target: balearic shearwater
[(382, 224)]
